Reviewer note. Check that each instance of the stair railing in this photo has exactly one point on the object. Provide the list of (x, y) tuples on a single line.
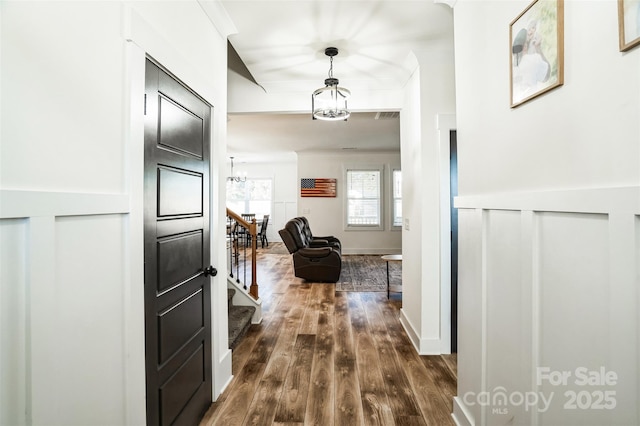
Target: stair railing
[(239, 231)]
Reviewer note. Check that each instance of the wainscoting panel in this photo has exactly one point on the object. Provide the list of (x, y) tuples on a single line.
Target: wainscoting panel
[(88, 316), (507, 295), (282, 212), (13, 317), (471, 329), (549, 306), (63, 307), (573, 314)]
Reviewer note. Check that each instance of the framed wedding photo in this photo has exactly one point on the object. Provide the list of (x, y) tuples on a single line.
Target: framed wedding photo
[(536, 44), (629, 23)]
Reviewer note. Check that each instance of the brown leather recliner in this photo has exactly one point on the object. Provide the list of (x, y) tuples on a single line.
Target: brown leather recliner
[(314, 258)]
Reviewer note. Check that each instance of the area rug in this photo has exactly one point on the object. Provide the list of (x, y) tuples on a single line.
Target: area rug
[(359, 272), (368, 273)]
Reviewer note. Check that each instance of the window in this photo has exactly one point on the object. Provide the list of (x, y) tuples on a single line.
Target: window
[(364, 198), (251, 196), (397, 198)]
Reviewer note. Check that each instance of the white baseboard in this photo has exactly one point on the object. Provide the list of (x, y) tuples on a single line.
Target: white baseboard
[(224, 368), (408, 327), (371, 251), (461, 415), (423, 346)]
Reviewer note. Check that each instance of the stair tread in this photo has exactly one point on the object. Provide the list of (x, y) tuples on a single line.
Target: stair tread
[(238, 312), (239, 322)]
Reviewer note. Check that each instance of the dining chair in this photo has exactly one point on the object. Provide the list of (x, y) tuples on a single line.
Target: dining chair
[(262, 235), (244, 233)]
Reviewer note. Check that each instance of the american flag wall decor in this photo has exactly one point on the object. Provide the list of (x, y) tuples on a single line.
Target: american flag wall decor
[(312, 187)]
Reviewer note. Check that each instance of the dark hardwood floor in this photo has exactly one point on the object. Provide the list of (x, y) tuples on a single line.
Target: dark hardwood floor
[(322, 357)]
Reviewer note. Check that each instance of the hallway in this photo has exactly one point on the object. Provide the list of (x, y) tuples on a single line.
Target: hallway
[(330, 358)]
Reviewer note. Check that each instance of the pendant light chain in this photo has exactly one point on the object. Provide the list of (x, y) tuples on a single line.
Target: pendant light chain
[(330, 66)]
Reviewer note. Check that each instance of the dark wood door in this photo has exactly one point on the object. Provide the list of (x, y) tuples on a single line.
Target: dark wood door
[(176, 251)]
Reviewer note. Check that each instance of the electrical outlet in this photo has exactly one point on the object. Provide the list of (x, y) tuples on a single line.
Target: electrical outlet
[(406, 224), (306, 211)]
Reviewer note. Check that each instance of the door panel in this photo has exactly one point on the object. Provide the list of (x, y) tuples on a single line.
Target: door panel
[(178, 324), (181, 129), (179, 192), (179, 257), (176, 392), (177, 251)]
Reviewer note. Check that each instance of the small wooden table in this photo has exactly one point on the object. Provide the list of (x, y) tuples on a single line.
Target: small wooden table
[(390, 258)]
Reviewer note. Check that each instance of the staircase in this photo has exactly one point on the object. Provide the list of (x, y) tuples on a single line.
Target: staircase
[(239, 319)]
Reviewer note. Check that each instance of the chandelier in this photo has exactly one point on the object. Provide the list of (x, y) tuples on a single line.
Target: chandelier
[(233, 178), (330, 102)]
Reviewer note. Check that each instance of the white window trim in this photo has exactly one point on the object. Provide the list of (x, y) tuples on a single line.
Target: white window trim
[(345, 200), (393, 227)]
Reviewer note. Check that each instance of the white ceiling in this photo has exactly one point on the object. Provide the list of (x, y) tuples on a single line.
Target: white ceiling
[(268, 137), (282, 45)]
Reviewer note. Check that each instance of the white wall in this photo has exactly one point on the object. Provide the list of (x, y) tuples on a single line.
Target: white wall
[(549, 222), (72, 343), (429, 96), (411, 148), (327, 215)]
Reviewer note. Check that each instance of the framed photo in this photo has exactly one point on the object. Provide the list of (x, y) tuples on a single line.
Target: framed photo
[(536, 45), (629, 23)]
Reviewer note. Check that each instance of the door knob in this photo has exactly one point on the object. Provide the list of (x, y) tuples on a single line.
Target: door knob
[(210, 271)]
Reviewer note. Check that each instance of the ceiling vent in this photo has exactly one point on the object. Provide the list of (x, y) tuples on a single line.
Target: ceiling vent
[(387, 115)]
